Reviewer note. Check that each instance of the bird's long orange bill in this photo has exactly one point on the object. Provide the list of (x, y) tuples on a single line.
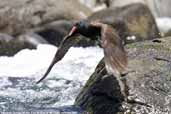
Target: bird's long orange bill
[(74, 28), (62, 50)]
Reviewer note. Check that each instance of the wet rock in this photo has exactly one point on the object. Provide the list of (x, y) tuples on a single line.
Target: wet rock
[(18, 16), (54, 32), (10, 45), (130, 20), (149, 81)]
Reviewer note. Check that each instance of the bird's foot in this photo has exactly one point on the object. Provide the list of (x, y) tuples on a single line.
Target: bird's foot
[(126, 73), (135, 102), (129, 105)]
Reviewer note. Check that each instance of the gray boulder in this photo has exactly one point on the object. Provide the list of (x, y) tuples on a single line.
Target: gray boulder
[(18, 16), (130, 20)]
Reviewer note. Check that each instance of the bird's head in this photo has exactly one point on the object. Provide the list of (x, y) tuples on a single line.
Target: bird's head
[(85, 28)]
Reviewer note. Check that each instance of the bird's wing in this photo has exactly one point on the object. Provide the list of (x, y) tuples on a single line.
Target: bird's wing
[(114, 54)]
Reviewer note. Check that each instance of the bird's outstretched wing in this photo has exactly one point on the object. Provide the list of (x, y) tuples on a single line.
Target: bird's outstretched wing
[(114, 54)]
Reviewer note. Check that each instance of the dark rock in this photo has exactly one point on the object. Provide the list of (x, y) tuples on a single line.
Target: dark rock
[(6, 47), (106, 2), (10, 45), (4, 44), (130, 20), (18, 16), (54, 33), (32, 38), (148, 79), (85, 42), (101, 93)]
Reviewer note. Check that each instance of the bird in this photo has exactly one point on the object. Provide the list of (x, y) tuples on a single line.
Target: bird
[(115, 56)]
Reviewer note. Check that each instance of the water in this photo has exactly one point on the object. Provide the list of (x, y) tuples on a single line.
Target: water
[(18, 75)]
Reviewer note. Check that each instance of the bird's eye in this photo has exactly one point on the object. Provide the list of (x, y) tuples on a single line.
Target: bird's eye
[(77, 24)]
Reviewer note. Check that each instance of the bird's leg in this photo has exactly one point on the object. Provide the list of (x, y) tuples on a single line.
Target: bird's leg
[(123, 87), (126, 73)]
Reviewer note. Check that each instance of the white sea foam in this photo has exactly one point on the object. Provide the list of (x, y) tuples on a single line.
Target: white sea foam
[(78, 63), (71, 72)]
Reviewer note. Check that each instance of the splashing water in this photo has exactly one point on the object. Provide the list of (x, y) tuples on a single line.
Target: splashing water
[(19, 73)]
